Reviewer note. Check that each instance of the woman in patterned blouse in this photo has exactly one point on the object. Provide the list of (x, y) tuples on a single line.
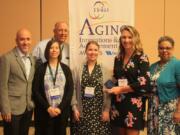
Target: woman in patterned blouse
[(132, 81)]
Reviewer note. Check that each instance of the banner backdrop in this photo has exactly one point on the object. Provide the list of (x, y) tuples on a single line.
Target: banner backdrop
[(98, 20)]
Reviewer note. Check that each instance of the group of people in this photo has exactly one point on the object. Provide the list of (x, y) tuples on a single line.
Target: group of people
[(95, 103)]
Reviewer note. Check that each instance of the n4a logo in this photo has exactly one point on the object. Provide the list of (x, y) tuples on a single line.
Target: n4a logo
[(110, 52)]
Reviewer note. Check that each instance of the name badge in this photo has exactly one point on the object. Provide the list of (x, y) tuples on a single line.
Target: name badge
[(54, 92), (122, 82), (89, 91)]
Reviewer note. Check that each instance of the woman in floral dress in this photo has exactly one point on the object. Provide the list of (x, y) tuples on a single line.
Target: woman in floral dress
[(90, 104), (164, 106), (132, 79)]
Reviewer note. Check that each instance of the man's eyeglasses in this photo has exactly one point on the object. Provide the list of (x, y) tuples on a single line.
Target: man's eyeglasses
[(164, 48)]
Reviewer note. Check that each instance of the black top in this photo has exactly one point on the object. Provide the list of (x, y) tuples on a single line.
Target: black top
[(136, 71), (131, 105), (39, 90)]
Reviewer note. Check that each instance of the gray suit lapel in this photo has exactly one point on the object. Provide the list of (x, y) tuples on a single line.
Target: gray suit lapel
[(20, 62)]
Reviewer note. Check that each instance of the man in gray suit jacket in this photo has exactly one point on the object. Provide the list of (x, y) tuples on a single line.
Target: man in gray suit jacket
[(17, 71)]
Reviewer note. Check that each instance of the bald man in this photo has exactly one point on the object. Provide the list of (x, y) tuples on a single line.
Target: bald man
[(17, 72), (60, 34)]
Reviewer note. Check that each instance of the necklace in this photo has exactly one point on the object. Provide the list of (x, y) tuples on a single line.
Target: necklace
[(157, 71)]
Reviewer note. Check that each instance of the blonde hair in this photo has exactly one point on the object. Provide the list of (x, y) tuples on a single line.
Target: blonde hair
[(136, 39)]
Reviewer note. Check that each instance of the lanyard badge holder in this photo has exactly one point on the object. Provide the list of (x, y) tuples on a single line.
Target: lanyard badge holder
[(55, 96), (55, 93)]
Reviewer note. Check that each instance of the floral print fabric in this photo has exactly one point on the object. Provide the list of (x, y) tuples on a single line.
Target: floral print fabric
[(152, 117), (132, 107), (161, 110), (166, 124)]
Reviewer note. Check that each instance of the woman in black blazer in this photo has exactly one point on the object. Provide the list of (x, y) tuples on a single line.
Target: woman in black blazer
[(52, 91)]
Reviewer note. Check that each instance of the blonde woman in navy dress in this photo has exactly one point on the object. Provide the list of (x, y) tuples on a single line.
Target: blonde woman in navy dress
[(131, 71), (90, 104)]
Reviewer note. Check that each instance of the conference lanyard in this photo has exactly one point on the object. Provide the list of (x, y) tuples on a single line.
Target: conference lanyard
[(54, 77)]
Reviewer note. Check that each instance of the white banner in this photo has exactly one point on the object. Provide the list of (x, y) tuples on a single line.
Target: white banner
[(98, 20)]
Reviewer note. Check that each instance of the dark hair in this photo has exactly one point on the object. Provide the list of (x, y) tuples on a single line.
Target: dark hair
[(48, 47), (166, 38), (91, 42)]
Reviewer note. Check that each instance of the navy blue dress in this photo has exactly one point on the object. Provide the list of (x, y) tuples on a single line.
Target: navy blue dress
[(90, 123), (131, 107)]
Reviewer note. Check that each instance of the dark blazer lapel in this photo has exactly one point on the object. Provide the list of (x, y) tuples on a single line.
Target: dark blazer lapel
[(32, 67), (20, 62)]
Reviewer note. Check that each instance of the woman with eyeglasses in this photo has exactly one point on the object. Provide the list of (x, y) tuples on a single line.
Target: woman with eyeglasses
[(164, 106)]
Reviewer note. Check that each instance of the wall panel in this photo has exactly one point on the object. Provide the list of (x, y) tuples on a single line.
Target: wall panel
[(172, 23), (53, 11), (16, 14), (149, 20), (152, 19)]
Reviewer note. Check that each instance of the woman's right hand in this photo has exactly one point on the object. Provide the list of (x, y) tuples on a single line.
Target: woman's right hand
[(76, 115), (115, 90)]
